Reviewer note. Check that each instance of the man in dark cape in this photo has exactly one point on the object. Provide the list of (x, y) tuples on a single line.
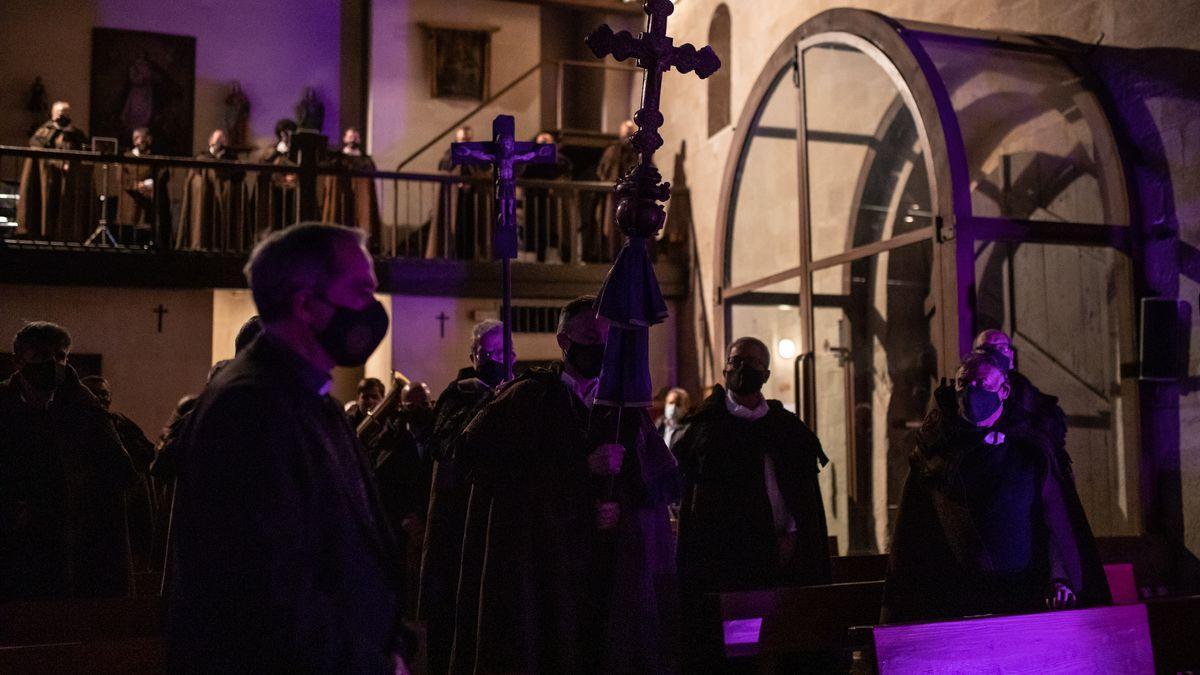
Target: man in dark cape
[(144, 202), (983, 527), (1045, 416), (284, 561), (567, 562), (463, 216), (55, 194), (448, 497), (212, 215), (351, 201), (752, 515), (63, 474)]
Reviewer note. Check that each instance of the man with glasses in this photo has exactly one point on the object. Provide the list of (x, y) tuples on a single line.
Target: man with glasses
[(983, 527)]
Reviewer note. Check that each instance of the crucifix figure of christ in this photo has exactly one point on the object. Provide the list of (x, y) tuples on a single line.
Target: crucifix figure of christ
[(504, 153)]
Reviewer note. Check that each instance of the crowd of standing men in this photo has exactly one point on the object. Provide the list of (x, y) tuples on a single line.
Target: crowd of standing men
[(306, 535)]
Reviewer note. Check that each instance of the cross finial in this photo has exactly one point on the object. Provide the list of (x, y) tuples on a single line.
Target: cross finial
[(639, 213)]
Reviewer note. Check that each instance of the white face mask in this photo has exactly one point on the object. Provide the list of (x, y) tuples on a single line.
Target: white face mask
[(670, 411)]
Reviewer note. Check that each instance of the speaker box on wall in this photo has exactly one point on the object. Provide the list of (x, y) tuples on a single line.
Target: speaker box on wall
[(1166, 324)]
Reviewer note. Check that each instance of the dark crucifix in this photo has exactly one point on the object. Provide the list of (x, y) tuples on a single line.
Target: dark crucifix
[(160, 310), (504, 153), (442, 319)]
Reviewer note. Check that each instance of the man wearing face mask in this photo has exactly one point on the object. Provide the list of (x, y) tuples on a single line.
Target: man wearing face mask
[(212, 214), (351, 200), (752, 515), (983, 526), (1047, 417), (284, 561), (456, 406), (675, 409), (63, 473), (144, 202), (275, 193), (55, 193), (524, 602)]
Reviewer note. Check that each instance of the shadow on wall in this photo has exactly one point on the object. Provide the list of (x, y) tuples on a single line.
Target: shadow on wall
[(1154, 98)]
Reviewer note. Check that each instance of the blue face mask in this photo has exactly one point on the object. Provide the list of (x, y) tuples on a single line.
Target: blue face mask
[(976, 404)]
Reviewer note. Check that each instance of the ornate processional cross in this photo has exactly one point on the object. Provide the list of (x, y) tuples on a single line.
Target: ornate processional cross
[(638, 211)]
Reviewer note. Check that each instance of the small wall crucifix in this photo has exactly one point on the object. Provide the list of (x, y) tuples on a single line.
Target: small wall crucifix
[(442, 319), (160, 310)]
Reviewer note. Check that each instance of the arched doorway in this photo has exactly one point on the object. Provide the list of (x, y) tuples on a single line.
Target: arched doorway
[(897, 187)]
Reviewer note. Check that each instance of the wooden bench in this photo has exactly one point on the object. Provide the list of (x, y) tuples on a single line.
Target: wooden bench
[(796, 619), (856, 568), (1098, 640)]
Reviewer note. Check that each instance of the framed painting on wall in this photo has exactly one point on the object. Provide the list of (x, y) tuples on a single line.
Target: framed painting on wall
[(143, 79), (459, 61)]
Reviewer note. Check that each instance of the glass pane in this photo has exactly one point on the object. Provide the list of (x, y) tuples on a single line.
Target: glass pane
[(867, 177), (778, 325), (1070, 312), (875, 365), (1038, 143), (765, 235)]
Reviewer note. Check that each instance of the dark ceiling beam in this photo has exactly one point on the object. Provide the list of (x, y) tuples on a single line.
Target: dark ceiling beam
[(608, 6)]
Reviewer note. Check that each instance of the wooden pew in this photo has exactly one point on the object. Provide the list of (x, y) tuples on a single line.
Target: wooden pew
[(795, 620), (122, 635), (1097, 640), (856, 568)]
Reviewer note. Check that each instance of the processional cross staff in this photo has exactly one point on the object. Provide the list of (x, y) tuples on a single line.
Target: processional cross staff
[(630, 298), (503, 154)]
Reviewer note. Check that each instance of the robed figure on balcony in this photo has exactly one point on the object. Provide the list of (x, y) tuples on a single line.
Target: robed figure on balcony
[(464, 209), (350, 200), (54, 193), (212, 215)]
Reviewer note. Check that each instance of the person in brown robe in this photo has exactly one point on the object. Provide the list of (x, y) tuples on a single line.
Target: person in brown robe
[(212, 216), (605, 239), (63, 476), (350, 201), (55, 194), (276, 194), (462, 219), (144, 202)]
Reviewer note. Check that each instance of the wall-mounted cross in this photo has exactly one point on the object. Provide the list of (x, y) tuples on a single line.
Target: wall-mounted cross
[(160, 310), (442, 319)]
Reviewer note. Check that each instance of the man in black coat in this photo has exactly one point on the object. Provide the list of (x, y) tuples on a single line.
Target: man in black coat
[(63, 475), (983, 526), (455, 409), (284, 561), (1045, 416), (752, 514)]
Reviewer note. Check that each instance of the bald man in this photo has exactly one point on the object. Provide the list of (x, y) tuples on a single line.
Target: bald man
[(54, 193), (212, 214)]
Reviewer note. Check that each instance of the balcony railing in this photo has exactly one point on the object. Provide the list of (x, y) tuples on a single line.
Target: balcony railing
[(225, 207)]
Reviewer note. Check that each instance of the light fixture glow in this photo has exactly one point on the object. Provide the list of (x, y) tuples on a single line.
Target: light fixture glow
[(786, 349)]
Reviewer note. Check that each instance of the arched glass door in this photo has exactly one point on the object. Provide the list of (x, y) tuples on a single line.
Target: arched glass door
[(894, 193)]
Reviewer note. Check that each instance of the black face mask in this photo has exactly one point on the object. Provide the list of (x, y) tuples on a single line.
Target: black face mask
[(745, 380), (352, 335), (419, 418), (587, 360), (62, 121), (976, 404), (45, 376), (490, 372)]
